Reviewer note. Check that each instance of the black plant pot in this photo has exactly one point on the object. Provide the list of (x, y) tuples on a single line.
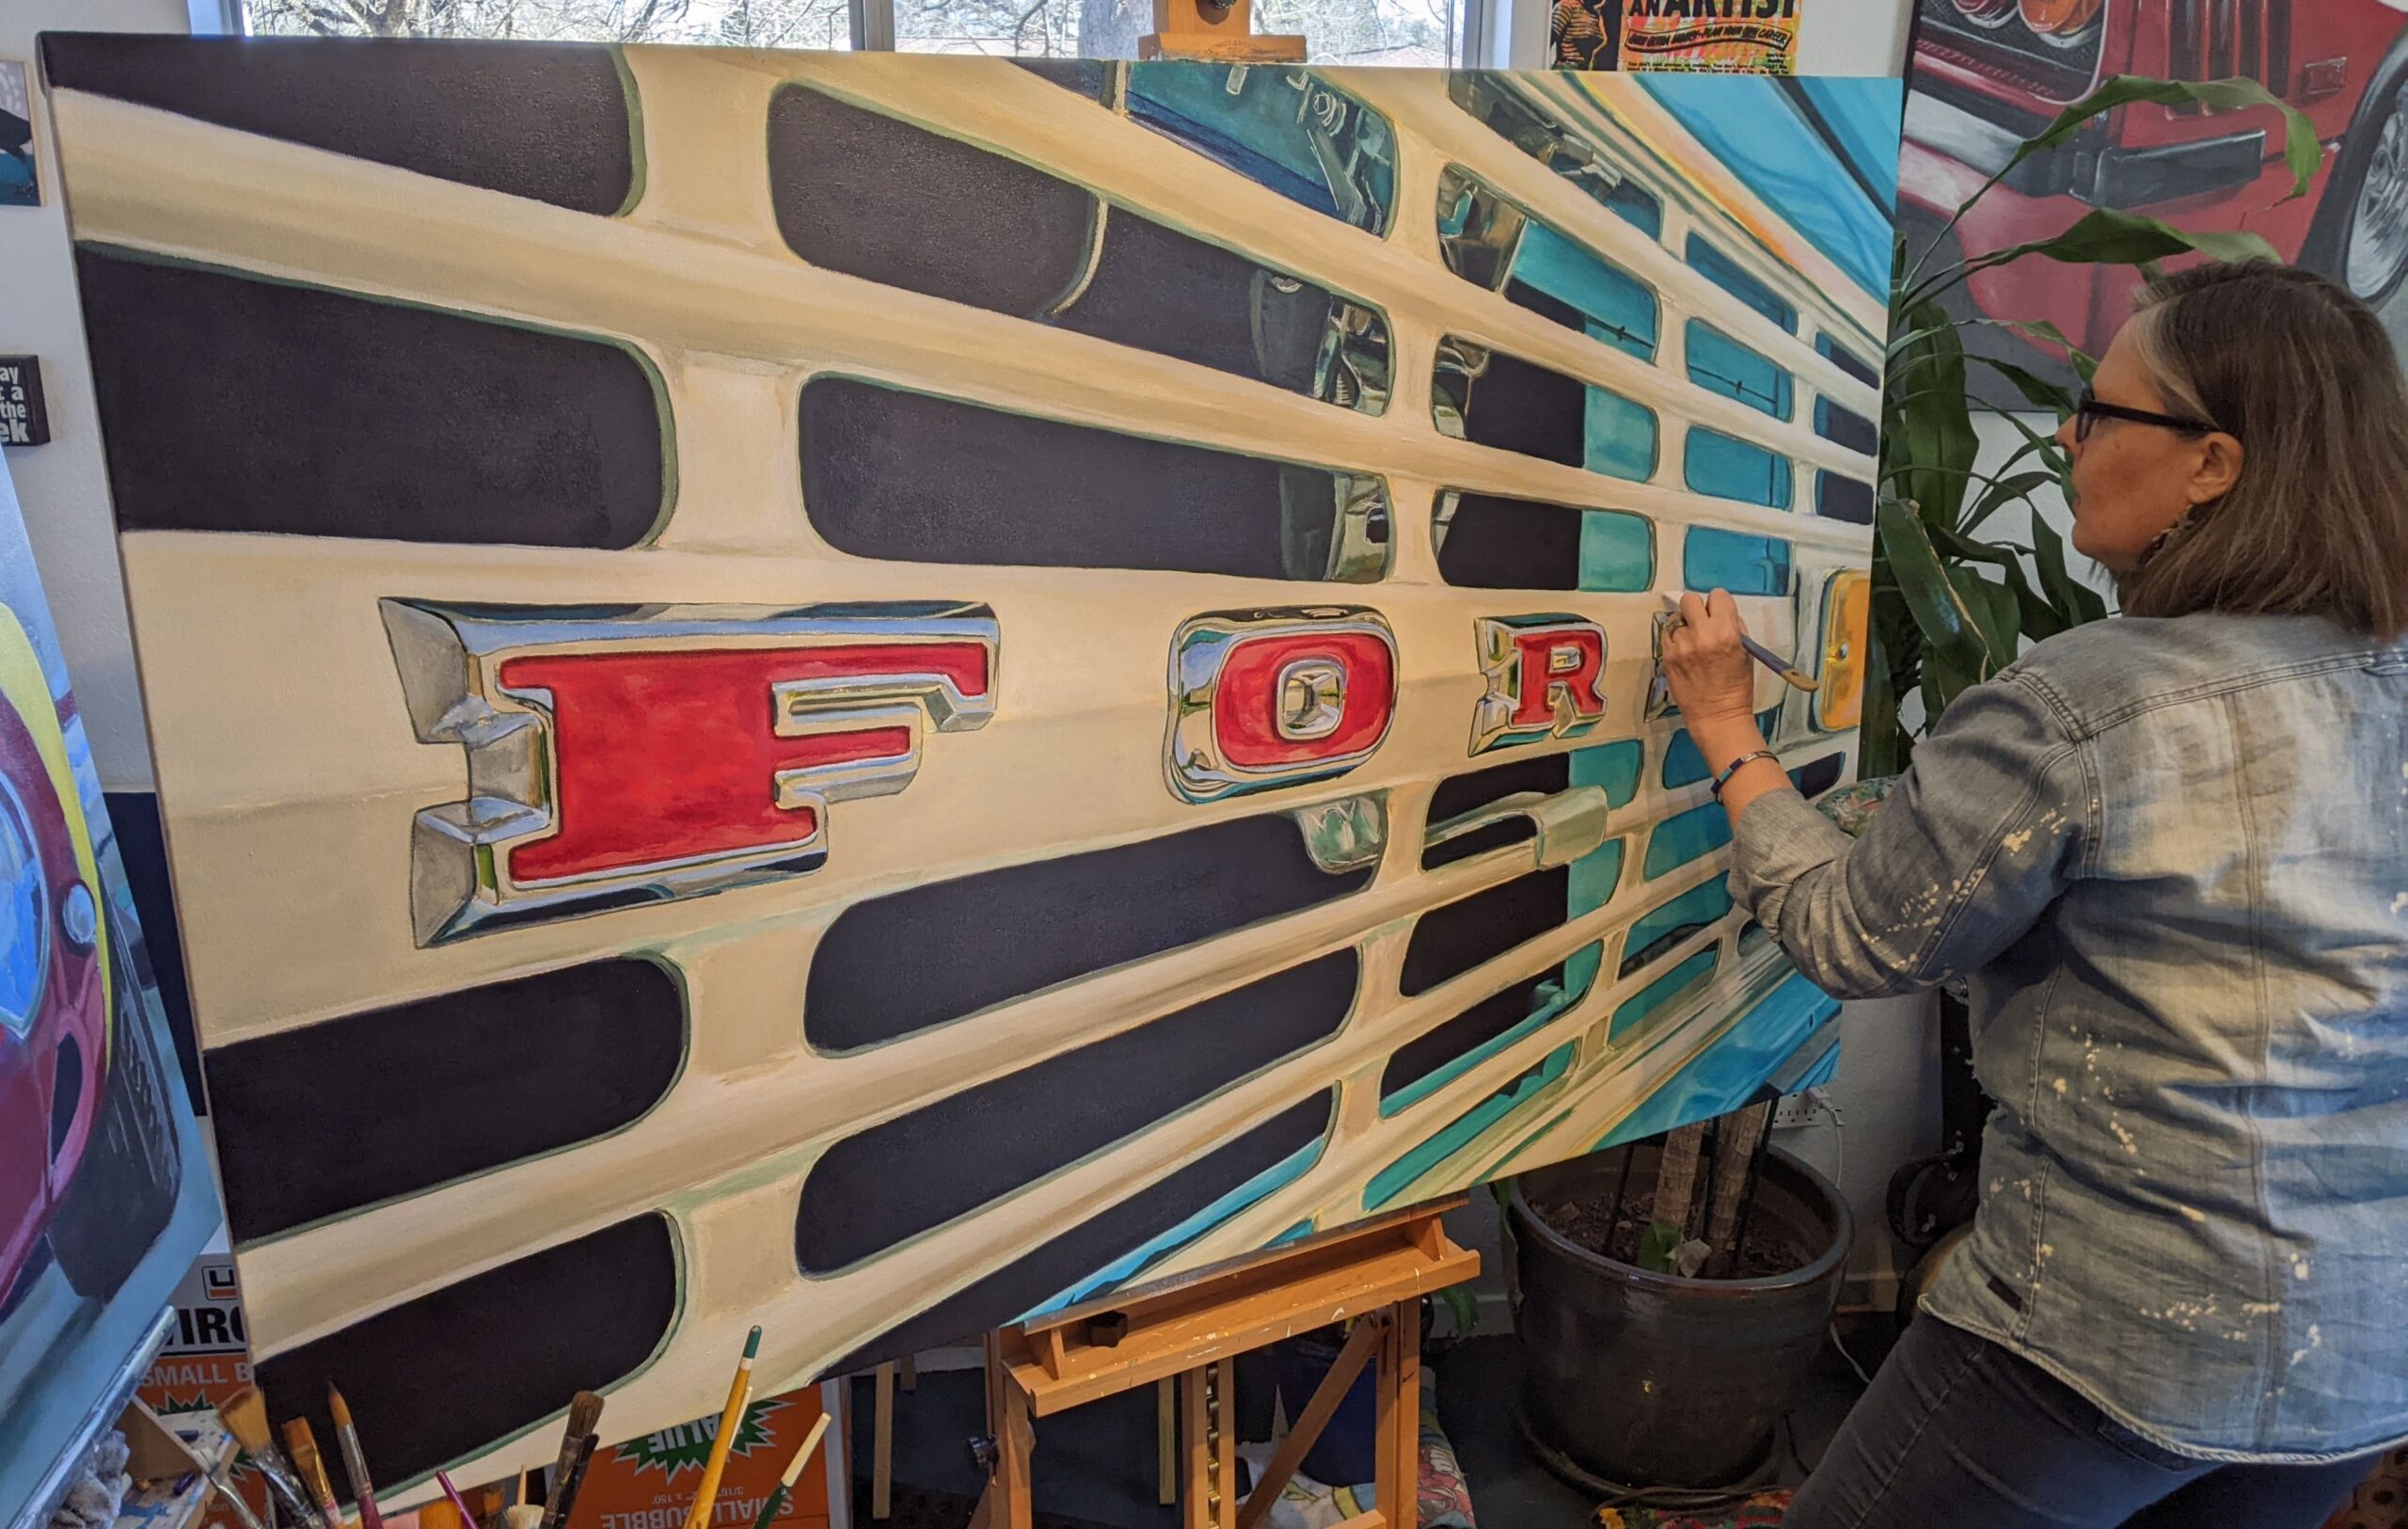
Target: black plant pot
[(1639, 1378)]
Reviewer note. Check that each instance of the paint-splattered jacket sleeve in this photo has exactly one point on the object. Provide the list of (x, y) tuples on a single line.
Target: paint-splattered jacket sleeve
[(1975, 840)]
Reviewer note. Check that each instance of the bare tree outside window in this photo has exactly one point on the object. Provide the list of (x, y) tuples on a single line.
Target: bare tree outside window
[(1406, 32), (752, 23)]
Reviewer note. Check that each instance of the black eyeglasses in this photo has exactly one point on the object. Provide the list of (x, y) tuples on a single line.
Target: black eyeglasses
[(2088, 411)]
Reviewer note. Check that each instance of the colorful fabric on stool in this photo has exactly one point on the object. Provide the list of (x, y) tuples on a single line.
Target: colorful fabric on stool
[(1758, 1512), (1444, 1501), (2383, 1501)]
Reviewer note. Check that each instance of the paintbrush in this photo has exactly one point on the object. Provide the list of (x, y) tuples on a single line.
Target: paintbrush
[(1767, 657), (355, 1460), (576, 1478), (246, 1415), (740, 1391), (584, 1413), (302, 1444), (460, 1504), (784, 1487)]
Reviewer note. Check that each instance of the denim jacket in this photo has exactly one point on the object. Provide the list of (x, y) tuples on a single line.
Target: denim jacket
[(2169, 861)]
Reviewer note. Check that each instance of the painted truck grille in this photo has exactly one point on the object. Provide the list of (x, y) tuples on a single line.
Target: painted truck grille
[(834, 1118), (2215, 39)]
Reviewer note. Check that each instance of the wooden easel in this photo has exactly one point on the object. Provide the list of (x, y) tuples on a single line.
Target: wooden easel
[(1187, 1335), (1216, 29)]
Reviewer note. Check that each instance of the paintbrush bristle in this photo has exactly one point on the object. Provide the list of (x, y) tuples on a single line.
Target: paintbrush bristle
[(336, 1405), (245, 1414), (584, 1413)]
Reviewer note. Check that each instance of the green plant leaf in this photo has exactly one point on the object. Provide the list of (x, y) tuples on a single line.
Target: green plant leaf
[(2003, 491), (2110, 236), (2038, 391), (1659, 1247), (1928, 443), (1461, 1311), (1882, 742), (2302, 151), (1950, 633), (1996, 616), (2077, 600)]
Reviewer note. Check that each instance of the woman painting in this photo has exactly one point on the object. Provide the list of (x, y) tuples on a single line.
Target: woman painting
[(2168, 855)]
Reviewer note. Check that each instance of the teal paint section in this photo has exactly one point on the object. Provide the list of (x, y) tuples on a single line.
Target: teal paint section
[(1733, 1069), (1635, 205), (1129, 1266), (1620, 437), (1617, 552), (1705, 903), (1820, 159), (1297, 1233), (1720, 364), (1250, 120), (1554, 998), (1621, 309), (1744, 564), (1729, 468), (1683, 764), (1393, 1180), (1685, 836), (1708, 261), (1675, 984), (1614, 766), (1594, 878)]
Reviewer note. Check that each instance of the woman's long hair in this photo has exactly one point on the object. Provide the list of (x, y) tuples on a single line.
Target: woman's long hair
[(2304, 375)]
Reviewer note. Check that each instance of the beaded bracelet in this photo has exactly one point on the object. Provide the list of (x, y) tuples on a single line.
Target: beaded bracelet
[(1737, 765)]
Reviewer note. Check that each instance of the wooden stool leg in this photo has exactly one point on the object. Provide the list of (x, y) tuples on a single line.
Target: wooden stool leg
[(1166, 1440), (881, 1446), (1006, 1504), (1399, 1456), (1207, 1413)]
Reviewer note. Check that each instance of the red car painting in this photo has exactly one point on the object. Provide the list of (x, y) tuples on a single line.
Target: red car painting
[(1986, 74), (80, 1163)]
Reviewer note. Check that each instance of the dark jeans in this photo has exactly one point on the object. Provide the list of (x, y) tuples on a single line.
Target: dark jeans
[(1961, 1433)]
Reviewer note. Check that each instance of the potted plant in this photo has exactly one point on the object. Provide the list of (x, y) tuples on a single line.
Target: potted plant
[(1671, 1292)]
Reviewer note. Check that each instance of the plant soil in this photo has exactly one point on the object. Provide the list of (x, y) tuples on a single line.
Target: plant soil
[(1584, 1218)]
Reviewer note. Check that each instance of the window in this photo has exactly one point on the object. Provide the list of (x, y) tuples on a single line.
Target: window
[(1412, 33)]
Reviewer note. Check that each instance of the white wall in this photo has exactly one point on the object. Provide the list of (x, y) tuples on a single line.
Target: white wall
[(63, 486)]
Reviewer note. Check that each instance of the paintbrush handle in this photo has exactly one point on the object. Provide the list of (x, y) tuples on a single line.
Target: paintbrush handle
[(363, 1488), (290, 1494), (1780, 665), (234, 1502), (769, 1506), (576, 1478)]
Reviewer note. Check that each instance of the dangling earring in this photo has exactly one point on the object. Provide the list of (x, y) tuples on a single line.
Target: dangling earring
[(2188, 522)]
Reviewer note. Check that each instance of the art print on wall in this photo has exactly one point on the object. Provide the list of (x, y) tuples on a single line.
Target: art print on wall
[(877, 693), (1986, 73), (20, 175), (105, 1195)]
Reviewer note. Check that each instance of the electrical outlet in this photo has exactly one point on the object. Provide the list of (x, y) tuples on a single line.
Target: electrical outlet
[(1796, 1109)]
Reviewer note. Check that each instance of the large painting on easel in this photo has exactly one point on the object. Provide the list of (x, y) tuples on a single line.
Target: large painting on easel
[(876, 694), (105, 1195)]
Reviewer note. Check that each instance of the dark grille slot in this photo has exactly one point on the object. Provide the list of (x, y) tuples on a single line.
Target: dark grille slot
[(902, 962), (1487, 542), (398, 1100), (1468, 1031), (1459, 794), (229, 404), (1451, 940), (915, 478), (1816, 777), (542, 120), (2221, 28), (2253, 38), (2184, 43), (920, 1171), (1516, 406), (862, 193), (1097, 1242), (581, 1316), (2278, 47)]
